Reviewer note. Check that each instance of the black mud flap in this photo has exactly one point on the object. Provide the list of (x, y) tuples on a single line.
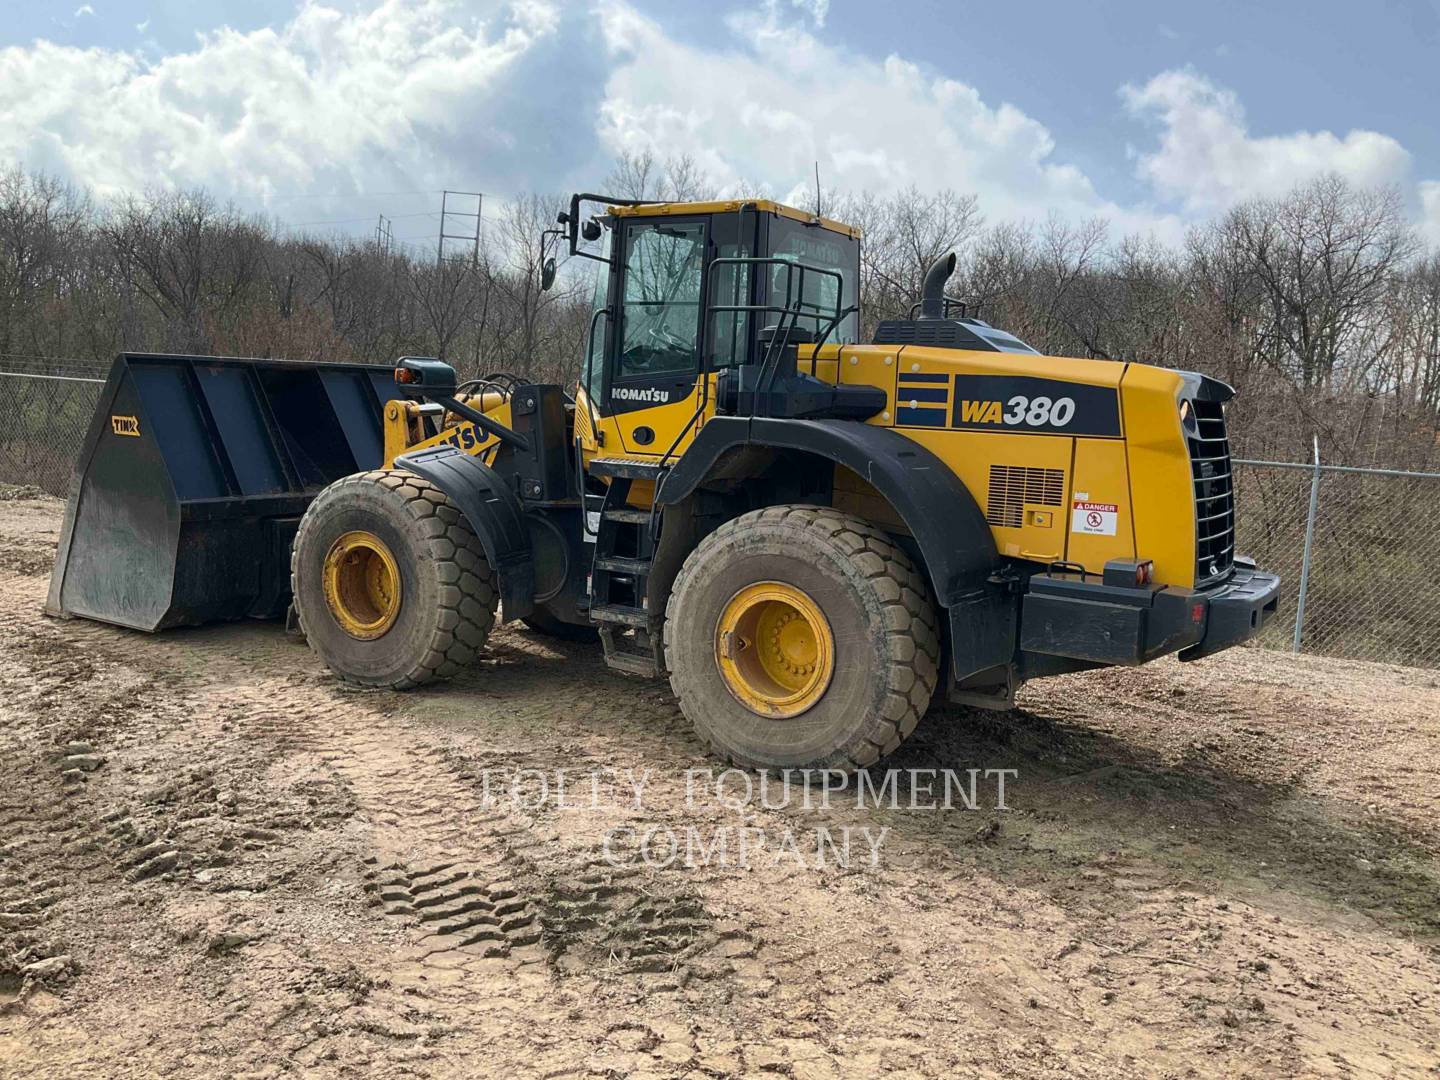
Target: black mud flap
[(492, 510), (192, 479)]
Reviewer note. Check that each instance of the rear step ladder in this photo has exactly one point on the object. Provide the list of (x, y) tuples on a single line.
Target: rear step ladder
[(620, 574)]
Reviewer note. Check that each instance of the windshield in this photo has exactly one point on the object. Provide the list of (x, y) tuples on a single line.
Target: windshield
[(660, 311), (795, 241)]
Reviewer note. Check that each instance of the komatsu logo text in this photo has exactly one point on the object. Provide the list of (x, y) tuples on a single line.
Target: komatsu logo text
[(648, 393), (465, 437)]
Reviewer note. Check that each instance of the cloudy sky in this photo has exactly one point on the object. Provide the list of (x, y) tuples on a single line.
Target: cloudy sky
[(1150, 114)]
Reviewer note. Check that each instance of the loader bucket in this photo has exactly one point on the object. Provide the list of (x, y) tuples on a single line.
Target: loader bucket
[(192, 479)]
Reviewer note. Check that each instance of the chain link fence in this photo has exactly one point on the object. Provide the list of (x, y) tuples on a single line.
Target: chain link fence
[(45, 409), (1367, 569), (1355, 548)]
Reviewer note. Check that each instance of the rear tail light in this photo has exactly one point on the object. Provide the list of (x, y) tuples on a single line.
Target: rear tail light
[(1129, 573)]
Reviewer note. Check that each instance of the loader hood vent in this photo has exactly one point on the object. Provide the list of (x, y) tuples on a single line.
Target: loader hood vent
[(973, 334), (1013, 487)]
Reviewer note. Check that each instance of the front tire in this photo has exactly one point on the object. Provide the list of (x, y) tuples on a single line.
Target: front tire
[(845, 624), (391, 585)]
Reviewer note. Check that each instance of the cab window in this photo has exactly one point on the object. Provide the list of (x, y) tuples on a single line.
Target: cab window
[(730, 287), (660, 309), (795, 241), (595, 362)]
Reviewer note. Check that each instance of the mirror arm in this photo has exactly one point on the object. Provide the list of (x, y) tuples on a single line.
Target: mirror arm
[(572, 221)]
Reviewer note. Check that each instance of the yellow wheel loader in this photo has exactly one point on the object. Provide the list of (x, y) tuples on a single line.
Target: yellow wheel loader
[(810, 535)]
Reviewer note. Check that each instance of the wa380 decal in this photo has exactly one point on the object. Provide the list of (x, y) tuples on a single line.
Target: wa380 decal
[(1032, 412), (1020, 404)]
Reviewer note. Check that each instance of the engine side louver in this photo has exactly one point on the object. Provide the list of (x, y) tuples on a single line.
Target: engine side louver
[(1013, 487)]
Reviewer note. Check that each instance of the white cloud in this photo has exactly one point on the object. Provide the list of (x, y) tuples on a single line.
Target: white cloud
[(777, 99), (332, 99), (509, 95), (84, 9), (1207, 159), (817, 9)]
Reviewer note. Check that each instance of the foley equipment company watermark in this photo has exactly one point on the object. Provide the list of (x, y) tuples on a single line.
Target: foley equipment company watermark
[(761, 812)]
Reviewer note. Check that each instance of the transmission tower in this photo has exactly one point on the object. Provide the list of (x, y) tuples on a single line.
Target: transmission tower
[(383, 237), (468, 237)]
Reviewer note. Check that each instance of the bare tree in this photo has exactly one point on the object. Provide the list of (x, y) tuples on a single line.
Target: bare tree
[(43, 231), (189, 260), (1318, 306), (903, 235), (639, 175), (1324, 255), (525, 341)]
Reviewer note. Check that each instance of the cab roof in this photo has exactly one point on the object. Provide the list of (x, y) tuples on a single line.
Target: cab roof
[(764, 206)]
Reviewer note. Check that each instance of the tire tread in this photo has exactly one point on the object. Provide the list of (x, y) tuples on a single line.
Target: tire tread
[(909, 618), (468, 597)]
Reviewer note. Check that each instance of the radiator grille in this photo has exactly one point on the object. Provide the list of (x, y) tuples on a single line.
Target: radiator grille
[(1013, 487), (1214, 493)]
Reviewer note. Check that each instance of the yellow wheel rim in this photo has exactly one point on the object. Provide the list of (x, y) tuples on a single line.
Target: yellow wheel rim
[(774, 649), (362, 585)]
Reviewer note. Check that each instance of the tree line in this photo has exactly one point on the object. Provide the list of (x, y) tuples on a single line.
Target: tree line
[(1321, 307)]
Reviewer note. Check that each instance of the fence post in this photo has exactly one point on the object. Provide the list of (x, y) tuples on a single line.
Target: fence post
[(1309, 547)]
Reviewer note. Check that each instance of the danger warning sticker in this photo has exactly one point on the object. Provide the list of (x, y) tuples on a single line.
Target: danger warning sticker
[(1095, 518)]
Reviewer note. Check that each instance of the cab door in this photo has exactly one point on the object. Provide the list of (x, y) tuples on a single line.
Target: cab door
[(653, 390)]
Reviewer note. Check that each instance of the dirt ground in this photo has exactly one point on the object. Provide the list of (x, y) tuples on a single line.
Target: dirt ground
[(215, 860)]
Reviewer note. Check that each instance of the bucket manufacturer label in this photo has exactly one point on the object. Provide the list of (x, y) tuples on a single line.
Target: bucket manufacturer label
[(125, 425)]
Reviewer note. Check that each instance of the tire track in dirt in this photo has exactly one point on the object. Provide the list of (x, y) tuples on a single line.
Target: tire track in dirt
[(212, 707), (490, 909), (498, 909), (352, 906), (51, 838)]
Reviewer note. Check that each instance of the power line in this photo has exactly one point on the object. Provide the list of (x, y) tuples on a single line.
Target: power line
[(351, 221), (353, 195)]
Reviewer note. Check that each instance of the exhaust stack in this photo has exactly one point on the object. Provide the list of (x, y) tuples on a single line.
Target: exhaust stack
[(932, 293)]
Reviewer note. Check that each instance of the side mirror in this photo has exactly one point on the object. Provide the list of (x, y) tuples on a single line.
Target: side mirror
[(547, 274), (591, 230), (423, 376)]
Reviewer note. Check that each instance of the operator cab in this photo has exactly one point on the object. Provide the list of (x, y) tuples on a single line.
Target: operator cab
[(707, 308), (689, 290)]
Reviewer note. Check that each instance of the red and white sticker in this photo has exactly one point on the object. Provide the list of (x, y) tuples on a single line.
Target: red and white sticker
[(1094, 518)]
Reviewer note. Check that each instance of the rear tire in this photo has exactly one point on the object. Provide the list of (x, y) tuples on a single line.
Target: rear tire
[(447, 597), (877, 613)]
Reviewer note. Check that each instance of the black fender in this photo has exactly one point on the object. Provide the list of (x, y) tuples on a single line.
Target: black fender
[(493, 511), (937, 508)]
